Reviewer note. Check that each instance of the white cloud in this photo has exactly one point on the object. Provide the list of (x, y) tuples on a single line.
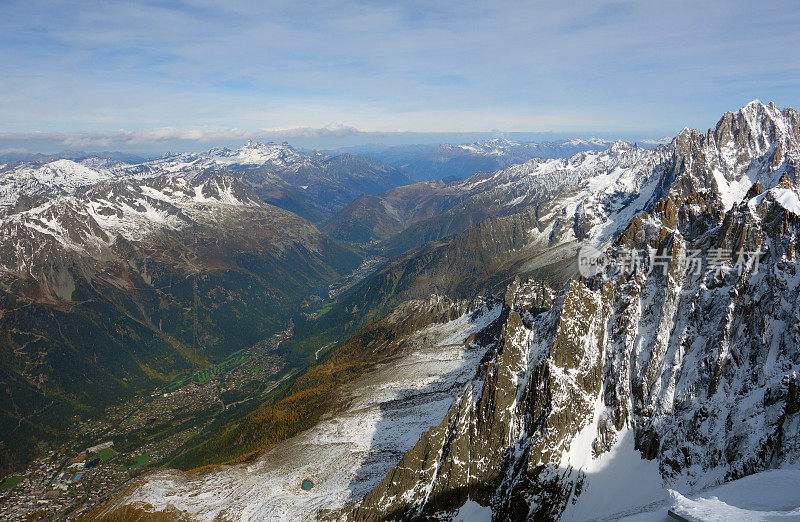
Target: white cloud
[(159, 135), (666, 140)]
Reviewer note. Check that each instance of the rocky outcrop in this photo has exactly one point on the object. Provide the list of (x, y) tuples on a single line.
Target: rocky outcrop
[(496, 443)]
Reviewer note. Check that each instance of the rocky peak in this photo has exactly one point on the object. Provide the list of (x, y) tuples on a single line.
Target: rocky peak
[(756, 127), (621, 146), (757, 143)]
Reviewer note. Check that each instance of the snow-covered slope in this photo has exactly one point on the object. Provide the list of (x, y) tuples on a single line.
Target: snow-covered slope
[(769, 495), (94, 217), (344, 456), (595, 193), (55, 177), (257, 153), (313, 185)]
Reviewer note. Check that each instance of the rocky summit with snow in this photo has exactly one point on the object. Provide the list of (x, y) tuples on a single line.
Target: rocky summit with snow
[(616, 336)]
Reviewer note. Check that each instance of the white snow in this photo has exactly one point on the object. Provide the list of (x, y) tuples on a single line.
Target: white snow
[(769, 495), (62, 175), (788, 199), (595, 142), (90, 222), (471, 511), (255, 153), (619, 482), (731, 192), (251, 154)]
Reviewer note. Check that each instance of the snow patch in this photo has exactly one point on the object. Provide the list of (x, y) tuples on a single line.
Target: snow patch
[(471, 511), (769, 495), (731, 192), (618, 482)]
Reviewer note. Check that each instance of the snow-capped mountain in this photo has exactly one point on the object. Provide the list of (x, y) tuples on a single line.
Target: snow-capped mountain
[(54, 177), (449, 161), (313, 185), (508, 148), (594, 142), (89, 224), (596, 400), (43, 239), (643, 381), (251, 154), (491, 147), (257, 153)]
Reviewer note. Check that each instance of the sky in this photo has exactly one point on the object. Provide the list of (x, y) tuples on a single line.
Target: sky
[(145, 75)]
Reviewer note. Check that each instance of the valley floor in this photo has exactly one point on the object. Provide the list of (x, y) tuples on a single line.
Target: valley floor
[(142, 434)]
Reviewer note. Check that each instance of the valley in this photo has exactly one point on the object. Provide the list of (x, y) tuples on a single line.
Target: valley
[(440, 352), (140, 434)]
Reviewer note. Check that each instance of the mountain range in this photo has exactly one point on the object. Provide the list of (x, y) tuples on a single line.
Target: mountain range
[(480, 370), (456, 161), (594, 394), (312, 185)]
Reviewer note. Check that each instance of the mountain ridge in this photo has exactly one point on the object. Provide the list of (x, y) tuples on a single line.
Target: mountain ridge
[(608, 358), (312, 184)]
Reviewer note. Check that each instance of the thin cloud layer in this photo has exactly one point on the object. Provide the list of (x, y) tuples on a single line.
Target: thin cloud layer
[(145, 137)]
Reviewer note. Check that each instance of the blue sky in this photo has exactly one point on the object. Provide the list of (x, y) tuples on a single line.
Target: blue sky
[(100, 74)]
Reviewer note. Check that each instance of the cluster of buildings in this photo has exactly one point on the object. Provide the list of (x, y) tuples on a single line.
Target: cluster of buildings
[(65, 483), (52, 486)]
